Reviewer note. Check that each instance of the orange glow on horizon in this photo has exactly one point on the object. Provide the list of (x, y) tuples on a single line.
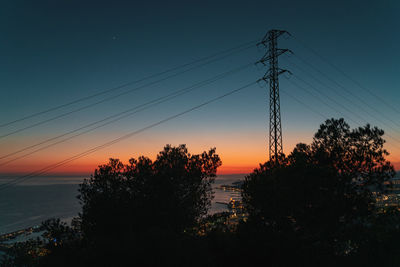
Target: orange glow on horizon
[(240, 151), (396, 165), (228, 167)]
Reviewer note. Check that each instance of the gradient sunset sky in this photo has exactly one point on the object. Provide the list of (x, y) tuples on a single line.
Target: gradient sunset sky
[(53, 52)]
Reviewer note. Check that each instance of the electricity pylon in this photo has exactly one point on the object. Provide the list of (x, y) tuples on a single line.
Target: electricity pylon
[(271, 56)]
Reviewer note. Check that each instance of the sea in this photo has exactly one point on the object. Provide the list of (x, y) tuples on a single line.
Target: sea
[(32, 201)]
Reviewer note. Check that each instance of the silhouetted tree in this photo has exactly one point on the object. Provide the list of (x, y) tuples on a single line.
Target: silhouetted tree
[(315, 207), (143, 213), (320, 198), (146, 204)]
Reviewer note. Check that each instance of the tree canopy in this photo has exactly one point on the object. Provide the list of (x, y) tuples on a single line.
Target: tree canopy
[(133, 202), (322, 195), (315, 207)]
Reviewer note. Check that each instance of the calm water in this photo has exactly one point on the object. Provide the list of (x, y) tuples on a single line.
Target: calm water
[(37, 199)]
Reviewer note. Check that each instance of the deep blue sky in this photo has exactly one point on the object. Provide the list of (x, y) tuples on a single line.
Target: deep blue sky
[(52, 52)]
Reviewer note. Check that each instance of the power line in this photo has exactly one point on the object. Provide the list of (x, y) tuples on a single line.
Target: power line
[(94, 149), (312, 109), (338, 103), (347, 90), (120, 94), (316, 96), (328, 97), (127, 84), (346, 75), (120, 115), (352, 102), (304, 104)]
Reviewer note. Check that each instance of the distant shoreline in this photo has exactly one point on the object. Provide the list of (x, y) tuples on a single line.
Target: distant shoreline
[(39, 192)]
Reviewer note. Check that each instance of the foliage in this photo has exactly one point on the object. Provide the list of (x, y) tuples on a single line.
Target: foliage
[(322, 196), (145, 205), (315, 207), (171, 193)]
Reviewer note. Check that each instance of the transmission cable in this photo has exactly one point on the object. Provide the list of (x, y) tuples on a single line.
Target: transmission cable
[(337, 103), (120, 115), (121, 94), (127, 84), (341, 95), (346, 75), (94, 149), (348, 91), (317, 97), (304, 104), (314, 110)]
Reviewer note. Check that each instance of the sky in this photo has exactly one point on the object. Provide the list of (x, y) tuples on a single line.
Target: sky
[(54, 52)]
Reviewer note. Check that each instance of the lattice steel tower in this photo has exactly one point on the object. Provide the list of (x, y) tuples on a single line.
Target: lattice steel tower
[(272, 54)]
